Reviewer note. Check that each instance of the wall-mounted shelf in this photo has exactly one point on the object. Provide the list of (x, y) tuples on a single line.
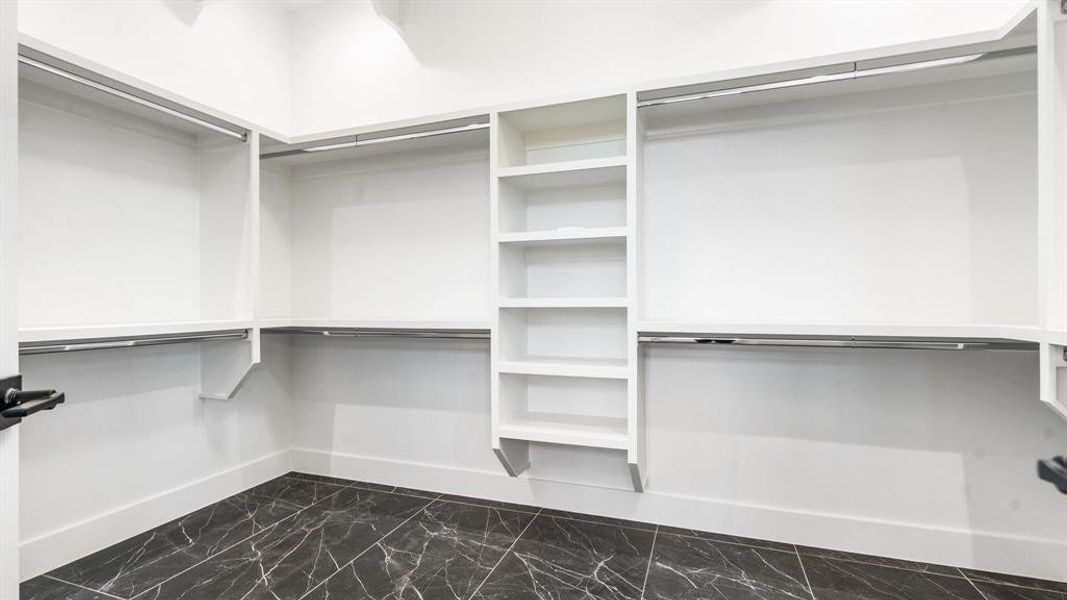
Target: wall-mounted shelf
[(873, 330), (398, 324), (127, 330)]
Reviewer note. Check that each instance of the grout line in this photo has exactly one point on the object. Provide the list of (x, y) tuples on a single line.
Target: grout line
[(533, 509), (567, 516), (71, 583), (804, 570), (505, 554), (973, 584), (241, 541), (994, 582), (365, 550), (872, 563), (731, 542), (648, 567)]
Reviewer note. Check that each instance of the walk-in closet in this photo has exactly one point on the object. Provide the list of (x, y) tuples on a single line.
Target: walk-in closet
[(398, 299)]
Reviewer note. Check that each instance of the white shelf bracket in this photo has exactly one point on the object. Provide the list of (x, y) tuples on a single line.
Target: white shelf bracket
[(514, 455), (1053, 365), (225, 367)]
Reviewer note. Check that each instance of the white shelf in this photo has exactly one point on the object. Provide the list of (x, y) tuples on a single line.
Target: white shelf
[(90, 332), (594, 302), (573, 234), (574, 430), (457, 324), (601, 170), (1011, 332), (566, 367)]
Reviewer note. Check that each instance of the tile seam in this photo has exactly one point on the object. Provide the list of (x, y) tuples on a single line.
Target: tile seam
[(505, 554)]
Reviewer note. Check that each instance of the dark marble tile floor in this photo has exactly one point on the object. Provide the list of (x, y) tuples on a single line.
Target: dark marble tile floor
[(310, 537)]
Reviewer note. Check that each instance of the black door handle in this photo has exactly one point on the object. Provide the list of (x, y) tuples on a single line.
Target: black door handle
[(15, 403), (19, 404), (1054, 471)]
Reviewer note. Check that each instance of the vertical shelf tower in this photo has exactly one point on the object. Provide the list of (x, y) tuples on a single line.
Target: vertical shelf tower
[(1052, 200), (563, 207)]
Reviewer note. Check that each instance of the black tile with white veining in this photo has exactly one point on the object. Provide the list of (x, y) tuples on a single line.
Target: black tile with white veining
[(145, 560), (849, 580), (489, 503), (691, 568), (731, 539), (1016, 580), (444, 553), (879, 560), (564, 559), (302, 492), (564, 514), (395, 489), (45, 588), (993, 591), (320, 478), (294, 556)]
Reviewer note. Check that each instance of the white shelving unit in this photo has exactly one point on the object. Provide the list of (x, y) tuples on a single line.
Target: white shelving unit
[(564, 358), (1052, 192)]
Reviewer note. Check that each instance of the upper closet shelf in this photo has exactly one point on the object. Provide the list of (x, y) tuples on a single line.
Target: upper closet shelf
[(127, 330), (564, 234)]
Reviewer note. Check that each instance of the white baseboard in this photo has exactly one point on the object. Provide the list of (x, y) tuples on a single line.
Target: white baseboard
[(1032, 557), (59, 547)]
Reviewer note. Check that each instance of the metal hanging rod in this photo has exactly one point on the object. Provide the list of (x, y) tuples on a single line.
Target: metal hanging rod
[(444, 334), (841, 72), (840, 342), (27, 348), (73, 77), (361, 141)]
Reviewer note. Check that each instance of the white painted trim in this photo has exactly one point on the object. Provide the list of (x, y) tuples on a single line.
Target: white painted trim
[(1033, 557), (59, 547)]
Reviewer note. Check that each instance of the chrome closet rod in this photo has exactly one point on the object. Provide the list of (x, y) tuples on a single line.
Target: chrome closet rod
[(855, 72), (130, 97), (381, 140), (126, 342), (841, 342)]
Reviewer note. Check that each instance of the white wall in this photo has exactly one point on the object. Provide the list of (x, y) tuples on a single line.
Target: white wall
[(349, 67), (134, 447), (922, 455), (232, 56)]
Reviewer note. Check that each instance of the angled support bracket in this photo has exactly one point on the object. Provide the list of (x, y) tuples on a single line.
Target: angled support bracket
[(225, 367), (1053, 383), (514, 455)]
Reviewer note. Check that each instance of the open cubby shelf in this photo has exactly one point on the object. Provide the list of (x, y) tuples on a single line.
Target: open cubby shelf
[(566, 367), (574, 430), (553, 137)]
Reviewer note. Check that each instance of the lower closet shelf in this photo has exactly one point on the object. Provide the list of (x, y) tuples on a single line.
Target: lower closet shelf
[(573, 430)]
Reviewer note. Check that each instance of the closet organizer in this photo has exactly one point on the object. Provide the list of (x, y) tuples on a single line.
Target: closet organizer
[(806, 205)]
